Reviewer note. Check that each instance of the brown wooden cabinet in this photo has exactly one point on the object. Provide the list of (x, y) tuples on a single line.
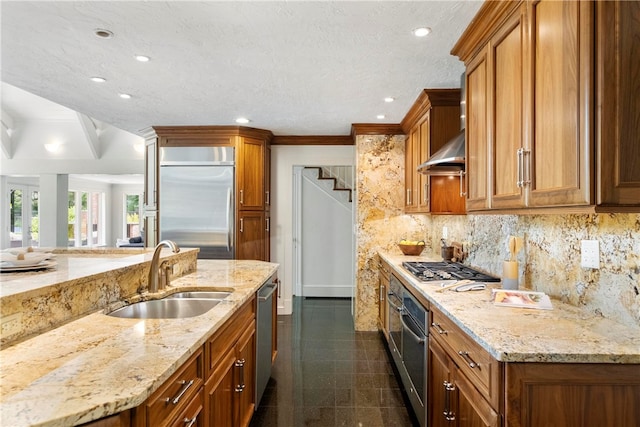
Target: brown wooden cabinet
[(250, 235), (572, 395), (618, 105), (230, 387), (179, 397), (551, 117), (430, 123), (453, 400), (468, 387), (250, 173)]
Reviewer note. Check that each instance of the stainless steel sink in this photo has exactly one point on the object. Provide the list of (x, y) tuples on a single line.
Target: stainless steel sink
[(168, 308), (218, 295)]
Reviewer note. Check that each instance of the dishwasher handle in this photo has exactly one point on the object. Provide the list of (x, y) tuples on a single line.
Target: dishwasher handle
[(272, 288)]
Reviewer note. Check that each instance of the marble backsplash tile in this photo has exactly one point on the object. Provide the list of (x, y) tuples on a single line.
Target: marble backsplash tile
[(550, 259)]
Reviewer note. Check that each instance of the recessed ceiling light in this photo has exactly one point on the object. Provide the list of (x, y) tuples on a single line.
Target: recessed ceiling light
[(102, 33), (421, 32), (389, 99), (142, 58), (98, 79), (380, 116), (242, 120), (124, 95)]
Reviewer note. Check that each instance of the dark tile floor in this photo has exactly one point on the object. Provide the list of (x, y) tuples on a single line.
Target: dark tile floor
[(327, 374)]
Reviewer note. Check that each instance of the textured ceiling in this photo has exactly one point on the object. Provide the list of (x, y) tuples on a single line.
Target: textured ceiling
[(295, 68)]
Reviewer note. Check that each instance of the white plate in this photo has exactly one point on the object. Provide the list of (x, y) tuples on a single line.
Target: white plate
[(30, 259), (6, 267)]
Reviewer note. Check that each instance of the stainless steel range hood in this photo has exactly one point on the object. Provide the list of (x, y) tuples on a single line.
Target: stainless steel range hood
[(449, 160)]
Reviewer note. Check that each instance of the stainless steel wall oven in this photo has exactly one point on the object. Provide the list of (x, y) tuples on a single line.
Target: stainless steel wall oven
[(408, 341)]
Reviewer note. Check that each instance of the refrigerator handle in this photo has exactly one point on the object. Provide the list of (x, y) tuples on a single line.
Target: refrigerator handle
[(229, 225)]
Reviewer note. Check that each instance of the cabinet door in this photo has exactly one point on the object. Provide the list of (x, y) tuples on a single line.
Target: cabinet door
[(251, 174), (438, 394), (618, 139), (245, 377), (446, 197), (421, 154), (509, 76), (472, 410), (220, 392), (562, 95), (477, 136), (410, 183), (250, 235), (267, 178)]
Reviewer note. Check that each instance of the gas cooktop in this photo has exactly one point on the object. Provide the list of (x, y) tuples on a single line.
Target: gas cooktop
[(445, 270)]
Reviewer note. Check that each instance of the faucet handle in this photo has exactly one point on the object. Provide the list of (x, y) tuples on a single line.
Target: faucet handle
[(164, 273)]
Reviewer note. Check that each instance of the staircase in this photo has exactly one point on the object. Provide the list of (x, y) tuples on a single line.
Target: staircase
[(336, 181)]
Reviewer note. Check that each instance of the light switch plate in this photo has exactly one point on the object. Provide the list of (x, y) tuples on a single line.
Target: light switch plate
[(590, 254)]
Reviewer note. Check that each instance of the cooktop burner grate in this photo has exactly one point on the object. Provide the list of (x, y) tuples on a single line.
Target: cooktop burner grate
[(445, 270)]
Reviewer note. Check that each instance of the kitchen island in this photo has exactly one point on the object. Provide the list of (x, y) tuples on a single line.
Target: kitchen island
[(506, 366), (96, 365)]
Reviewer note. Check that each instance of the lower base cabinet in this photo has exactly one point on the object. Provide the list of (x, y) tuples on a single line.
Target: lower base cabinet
[(454, 401)]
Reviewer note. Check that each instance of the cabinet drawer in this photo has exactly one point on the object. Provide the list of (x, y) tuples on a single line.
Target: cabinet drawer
[(170, 399), (482, 370), (225, 337), (193, 414)]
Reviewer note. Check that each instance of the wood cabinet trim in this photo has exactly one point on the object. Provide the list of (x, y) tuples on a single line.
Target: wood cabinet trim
[(212, 131), (375, 129), (312, 140), (488, 18), (427, 99)]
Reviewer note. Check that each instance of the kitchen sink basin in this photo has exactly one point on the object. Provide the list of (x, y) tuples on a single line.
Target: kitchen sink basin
[(168, 308), (216, 295)]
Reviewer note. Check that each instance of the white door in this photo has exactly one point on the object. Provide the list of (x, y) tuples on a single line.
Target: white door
[(24, 216)]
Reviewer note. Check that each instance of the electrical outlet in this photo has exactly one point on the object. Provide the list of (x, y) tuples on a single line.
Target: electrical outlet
[(11, 325), (445, 233), (590, 254)]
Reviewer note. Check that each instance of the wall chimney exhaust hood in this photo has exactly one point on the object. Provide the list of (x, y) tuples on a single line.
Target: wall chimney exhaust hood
[(449, 160)]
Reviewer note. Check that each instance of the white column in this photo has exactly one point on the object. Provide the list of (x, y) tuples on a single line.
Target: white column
[(54, 200), (4, 213)]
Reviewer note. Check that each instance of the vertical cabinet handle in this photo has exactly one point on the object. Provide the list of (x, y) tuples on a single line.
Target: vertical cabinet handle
[(449, 415), (268, 197), (520, 160), (241, 225), (381, 293), (526, 167), (408, 196), (426, 194), (462, 192), (241, 385), (268, 224), (242, 197), (183, 390)]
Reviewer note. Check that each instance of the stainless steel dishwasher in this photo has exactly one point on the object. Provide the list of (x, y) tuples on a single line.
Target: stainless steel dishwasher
[(264, 334)]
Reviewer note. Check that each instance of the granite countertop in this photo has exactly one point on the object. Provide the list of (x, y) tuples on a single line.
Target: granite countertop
[(566, 334), (99, 365)]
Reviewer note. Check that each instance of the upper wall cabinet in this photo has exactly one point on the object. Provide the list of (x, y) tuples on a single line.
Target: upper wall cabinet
[(430, 123), (544, 130)]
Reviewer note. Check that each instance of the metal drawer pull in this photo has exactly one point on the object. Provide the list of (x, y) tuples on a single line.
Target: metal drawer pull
[(439, 328), (240, 364), (462, 192), (190, 422), (468, 359), (242, 197), (183, 390)]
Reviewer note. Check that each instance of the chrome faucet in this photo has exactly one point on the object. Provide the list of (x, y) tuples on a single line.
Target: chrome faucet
[(153, 270)]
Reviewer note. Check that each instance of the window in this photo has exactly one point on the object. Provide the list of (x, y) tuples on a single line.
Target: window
[(86, 218), (131, 215)]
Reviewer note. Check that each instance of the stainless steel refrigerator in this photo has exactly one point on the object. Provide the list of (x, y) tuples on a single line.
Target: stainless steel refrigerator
[(197, 199)]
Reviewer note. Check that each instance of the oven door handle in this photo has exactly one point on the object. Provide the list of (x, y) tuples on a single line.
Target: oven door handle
[(390, 295), (419, 340)]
